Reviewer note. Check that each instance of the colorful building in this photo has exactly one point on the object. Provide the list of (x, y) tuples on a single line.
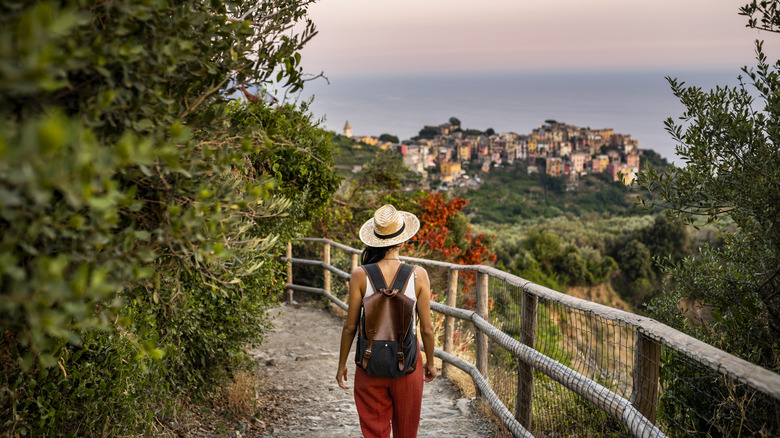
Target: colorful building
[(554, 166), (449, 171)]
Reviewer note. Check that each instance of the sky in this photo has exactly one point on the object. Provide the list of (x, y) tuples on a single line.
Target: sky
[(369, 37), (394, 66)]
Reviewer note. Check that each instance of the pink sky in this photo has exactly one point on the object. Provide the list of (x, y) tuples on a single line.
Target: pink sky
[(405, 36)]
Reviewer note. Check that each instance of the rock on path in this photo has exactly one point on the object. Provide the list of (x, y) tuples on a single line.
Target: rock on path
[(300, 358)]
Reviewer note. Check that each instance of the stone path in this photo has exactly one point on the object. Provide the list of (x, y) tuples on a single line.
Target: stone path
[(299, 358)]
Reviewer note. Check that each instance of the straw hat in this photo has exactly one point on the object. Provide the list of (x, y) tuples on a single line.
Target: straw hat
[(389, 227)]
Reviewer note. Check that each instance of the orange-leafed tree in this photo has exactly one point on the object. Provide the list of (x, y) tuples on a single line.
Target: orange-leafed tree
[(445, 234)]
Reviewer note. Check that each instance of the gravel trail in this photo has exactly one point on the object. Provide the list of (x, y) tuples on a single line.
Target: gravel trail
[(298, 361)]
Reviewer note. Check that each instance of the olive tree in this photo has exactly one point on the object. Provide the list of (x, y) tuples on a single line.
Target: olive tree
[(729, 141)]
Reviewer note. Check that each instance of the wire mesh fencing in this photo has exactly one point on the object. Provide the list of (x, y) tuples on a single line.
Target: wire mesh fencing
[(698, 401), (599, 349), (589, 370), (677, 391)]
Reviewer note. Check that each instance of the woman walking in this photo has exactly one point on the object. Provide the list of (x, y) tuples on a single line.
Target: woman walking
[(385, 403)]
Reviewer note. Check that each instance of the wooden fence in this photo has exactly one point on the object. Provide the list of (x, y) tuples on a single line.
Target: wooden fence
[(630, 398)]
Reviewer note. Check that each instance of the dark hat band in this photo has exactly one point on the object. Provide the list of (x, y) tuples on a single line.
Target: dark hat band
[(390, 236)]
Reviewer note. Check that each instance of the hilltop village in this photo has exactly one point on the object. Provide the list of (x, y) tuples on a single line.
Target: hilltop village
[(554, 148)]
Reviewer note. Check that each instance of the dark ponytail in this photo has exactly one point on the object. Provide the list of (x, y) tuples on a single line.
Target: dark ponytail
[(373, 254)]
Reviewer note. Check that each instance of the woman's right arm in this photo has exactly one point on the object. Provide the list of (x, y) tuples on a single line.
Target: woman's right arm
[(356, 283), (426, 326)]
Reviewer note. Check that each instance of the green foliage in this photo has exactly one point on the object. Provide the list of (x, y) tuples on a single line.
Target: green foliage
[(139, 209), (769, 12), (389, 137), (651, 158), (511, 195), (546, 248), (636, 261), (732, 170), (728, 139), (459, 226), (565, 250), (554, 184), (666, 238), (575, 268), (722, 279), (740, 411), (427, 133), (301, 162), (351, 153), (385, 174), (637, 281), (383, 180), (591, 249)]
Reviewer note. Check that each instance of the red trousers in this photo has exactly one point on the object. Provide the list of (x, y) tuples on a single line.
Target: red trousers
[(381, 400)]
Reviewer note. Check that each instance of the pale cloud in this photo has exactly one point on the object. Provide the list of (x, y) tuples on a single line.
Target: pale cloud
[(383, 36)]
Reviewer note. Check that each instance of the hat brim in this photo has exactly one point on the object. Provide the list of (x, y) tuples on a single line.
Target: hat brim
[(412, 226)]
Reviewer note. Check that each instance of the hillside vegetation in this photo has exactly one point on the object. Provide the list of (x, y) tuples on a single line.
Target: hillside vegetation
[(510, 195), (351, 153)]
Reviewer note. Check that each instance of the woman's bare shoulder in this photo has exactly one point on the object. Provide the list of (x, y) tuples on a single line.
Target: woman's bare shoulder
[(419, 269), (358, 273), (420, 272)]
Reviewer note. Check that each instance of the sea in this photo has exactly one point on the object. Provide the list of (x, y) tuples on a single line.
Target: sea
[(630, 102)]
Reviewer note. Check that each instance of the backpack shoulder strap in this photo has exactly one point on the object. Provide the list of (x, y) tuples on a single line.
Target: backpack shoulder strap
[(406, 307), (378, 280), (375, 277), (402, 277)]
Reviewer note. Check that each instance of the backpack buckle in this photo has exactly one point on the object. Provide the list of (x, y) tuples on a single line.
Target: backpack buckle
[(367, 354), (400, 356)]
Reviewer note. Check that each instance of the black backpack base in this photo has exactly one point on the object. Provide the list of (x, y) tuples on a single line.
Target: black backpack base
[(383, 361)]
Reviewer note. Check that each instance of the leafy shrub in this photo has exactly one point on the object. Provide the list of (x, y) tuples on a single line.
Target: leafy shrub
[(727, 138), (139, 211)]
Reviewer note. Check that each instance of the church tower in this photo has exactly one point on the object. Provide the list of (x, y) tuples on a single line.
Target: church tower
[(347, 130)]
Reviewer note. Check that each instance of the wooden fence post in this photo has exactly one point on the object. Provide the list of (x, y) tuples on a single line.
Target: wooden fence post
[(525, 372), (647, 358), (353, 262), (289, 273), (449, 321), (482, 310), (325, 272)]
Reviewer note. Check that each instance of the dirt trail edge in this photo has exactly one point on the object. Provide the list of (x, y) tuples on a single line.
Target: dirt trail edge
[(299, 358)]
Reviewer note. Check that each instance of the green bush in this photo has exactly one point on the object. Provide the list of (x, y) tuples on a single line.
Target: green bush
[(727, 139), (140, 209)]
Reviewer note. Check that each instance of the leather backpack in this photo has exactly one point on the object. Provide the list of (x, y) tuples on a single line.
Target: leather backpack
[(387, 345)]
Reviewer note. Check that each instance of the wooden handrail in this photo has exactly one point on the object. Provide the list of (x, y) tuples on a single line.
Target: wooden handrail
[(603, 398), (335, 270), (637, 415), (321, 291), (486, 392), (718, 360), (606, 400)]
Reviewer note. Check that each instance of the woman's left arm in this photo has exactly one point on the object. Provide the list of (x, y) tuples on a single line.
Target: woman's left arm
[(426, 326)]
